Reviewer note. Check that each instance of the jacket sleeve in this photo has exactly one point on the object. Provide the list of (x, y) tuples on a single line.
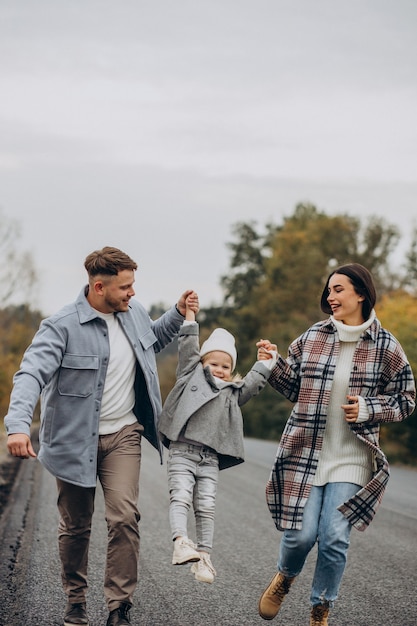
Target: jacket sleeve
[(39, 364), (382, 376), (188, 349), (397, 401), (253, 383), (285, 376), (166, 327)]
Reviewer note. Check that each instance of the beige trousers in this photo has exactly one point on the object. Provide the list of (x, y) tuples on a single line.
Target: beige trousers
[(118, 468)]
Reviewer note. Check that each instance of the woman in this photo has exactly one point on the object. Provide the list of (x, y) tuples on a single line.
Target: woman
[(346, 376)]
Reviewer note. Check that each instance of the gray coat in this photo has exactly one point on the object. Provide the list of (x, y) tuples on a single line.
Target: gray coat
[(201, 411), (67, 363)]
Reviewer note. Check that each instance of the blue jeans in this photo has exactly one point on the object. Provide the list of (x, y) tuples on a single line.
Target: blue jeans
[(324, 524), (193, 473)]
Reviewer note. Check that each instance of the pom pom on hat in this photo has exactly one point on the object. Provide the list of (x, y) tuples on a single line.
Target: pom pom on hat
[(220, 340)]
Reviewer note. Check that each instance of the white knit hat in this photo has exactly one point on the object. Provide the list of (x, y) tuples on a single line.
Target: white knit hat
[(220, 340)]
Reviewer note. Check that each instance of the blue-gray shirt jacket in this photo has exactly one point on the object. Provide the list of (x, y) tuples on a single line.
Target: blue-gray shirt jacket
[(197, 409), (66, 366)]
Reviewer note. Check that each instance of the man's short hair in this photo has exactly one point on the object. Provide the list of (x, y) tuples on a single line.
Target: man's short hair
[(108, 261)]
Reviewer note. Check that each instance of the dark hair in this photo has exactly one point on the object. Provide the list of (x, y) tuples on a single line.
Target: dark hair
[(108, 261), (362, 282)]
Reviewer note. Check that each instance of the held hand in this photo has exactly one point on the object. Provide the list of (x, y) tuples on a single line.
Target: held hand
[(191, 298), (192, 302), (189, 310), (19, 445), (351, 409), (263, 354), (265, 344)]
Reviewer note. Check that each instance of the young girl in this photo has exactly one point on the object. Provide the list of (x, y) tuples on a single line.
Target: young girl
[(201, 424)]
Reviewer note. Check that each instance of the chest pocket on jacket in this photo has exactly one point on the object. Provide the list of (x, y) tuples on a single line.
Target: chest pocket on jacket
[(77, 375), (147, 342), (148, 339)]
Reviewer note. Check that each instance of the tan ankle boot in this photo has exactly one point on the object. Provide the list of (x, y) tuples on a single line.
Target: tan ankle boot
[(319, 615), (273, 596)]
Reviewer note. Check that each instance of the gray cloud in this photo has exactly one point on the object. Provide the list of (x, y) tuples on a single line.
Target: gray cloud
[(157, 125)]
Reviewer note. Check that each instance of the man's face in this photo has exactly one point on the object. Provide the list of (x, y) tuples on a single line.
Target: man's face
[(116, 291)]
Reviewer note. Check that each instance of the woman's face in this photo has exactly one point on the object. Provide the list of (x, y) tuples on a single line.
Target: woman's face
[(345, 303)]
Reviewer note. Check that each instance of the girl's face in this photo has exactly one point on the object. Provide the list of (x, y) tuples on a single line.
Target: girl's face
[(220, 364), (345, 303)]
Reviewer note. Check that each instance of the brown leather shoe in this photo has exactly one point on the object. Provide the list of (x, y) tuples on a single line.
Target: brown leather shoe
[(319, 615), (120, 616), (273, 596), (75, 614)]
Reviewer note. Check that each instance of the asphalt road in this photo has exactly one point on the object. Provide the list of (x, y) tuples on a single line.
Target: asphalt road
[(379, 587)]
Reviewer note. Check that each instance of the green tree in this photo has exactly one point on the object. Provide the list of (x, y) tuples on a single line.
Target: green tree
[(246, 264)]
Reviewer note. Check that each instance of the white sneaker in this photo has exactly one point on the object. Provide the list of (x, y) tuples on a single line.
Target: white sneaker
[(184, 551), (204, 570)]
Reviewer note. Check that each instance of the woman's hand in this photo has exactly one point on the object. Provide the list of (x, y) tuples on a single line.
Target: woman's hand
[(264, 347), (351, 409)]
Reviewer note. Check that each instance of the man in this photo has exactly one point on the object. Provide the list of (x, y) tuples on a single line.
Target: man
[(93, 363)]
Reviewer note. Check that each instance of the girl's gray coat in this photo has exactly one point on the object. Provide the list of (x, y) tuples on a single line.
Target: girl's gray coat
[(202, 412)]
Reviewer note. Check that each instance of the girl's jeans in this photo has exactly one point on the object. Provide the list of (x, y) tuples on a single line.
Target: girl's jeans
[(324, 524), (193, 472)]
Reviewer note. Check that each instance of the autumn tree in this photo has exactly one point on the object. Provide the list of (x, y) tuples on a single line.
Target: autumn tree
[(397, 311), (18, 325), (287, 265)]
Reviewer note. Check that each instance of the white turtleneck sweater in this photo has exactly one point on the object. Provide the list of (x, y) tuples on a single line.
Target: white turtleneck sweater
[(344, 458)]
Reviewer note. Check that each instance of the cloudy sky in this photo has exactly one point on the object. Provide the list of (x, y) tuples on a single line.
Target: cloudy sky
[(154, 126)]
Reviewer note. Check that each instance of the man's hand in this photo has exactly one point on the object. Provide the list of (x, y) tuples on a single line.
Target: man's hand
[(192, 302), (20, 445)]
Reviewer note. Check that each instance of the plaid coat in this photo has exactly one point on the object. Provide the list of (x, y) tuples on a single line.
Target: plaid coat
[(380, 374)]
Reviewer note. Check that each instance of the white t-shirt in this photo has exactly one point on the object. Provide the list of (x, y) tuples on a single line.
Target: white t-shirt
[(118, 395)]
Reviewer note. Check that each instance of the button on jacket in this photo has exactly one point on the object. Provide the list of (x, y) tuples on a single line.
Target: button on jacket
[(66, 365)]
